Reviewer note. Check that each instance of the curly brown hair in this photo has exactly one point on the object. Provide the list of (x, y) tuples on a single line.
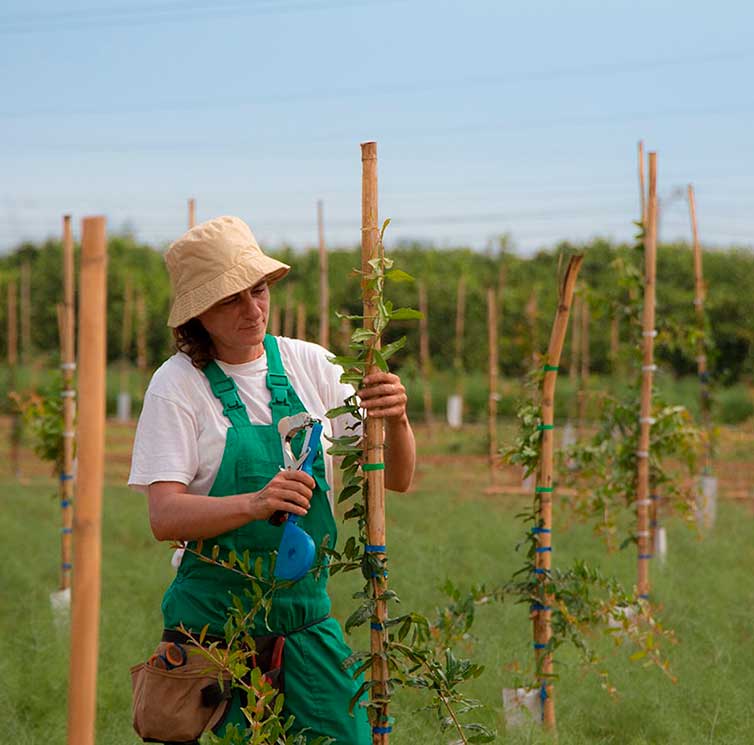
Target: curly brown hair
[(192, 339)]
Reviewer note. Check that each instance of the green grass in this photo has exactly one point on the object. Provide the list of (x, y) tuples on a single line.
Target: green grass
[(446, 528)]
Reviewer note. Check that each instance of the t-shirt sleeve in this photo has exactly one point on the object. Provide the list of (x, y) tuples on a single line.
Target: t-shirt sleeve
[(165, 446)]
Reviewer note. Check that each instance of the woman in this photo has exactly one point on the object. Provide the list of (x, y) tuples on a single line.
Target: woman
[(208, 429)]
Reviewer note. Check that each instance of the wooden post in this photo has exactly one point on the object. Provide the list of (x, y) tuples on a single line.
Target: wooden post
[(542, 611), (424, 358), (82, 685), (301, 321), (125, 344), (141, 333), (15, 429), (374, 446), (67, 366), (642, 187), (643, 500), (584, 372), (701, 356), (344, 333), (191, 212), (275, 320), (288, 317), (493, 374), (26, 313), (324, 282), (460, 321), (531, 315), (614, 342)]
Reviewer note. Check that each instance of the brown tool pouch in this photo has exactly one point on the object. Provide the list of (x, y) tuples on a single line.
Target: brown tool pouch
[(175, 706)]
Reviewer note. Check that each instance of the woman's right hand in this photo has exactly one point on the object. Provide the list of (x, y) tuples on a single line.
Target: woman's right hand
[(288, 491)]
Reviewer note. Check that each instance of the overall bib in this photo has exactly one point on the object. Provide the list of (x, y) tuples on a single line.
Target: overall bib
[(317, 689)]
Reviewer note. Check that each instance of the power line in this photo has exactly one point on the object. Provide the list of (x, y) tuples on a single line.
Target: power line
[(531, 76), (164, 14)]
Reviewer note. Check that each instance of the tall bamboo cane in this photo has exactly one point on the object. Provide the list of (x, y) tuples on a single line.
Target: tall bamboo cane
[(141, 333), (460, 322), (493, 375), (424, 358), (82, 692), (125, 343), (374, 446), (643, 500), (542, 612), (15, 459), (301, 321), (191, 212), (585, 361), (288, 316), (26, 313), (532, 311), (68, 366), (701, 358), (324, 281)]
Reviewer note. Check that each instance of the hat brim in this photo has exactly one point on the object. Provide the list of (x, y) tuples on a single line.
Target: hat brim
[(239, 277)]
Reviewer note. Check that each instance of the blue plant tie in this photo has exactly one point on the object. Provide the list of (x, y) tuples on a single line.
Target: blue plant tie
[(644, 596), (66, 531), (66, 477), (539, 606), (377, 626), (537, 570), (541, 530), (375, 549), (543, 549), (382, 730), (645, 556), (543, 698), (67, 565), (65, 503), (539, 646), (377, 574)]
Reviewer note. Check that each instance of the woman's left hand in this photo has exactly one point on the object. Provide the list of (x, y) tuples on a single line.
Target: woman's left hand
[(384, 396)]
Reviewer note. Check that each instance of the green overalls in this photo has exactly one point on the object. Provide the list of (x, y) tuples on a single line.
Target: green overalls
[(317, 689)]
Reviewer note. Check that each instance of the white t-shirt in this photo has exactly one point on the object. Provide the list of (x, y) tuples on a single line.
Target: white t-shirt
[(181, 431)]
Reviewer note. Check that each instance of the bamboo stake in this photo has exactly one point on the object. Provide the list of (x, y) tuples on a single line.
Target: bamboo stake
[(288, 317), (614, 342), (541, 612), (191, 212), (324, 282), (82, 691), (344, 333), (493, 375), (15, 460), (701, 358), (648, 333), (141, 333), (460, 321), (301, 321), (374, 446), (125, 343), (531, 315), (25, 313), (68, 366), (584, 373), (642, 186), (275, 320), (425, 360)]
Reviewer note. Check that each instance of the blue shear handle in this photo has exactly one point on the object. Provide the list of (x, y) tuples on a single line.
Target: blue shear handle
[(314, 440)]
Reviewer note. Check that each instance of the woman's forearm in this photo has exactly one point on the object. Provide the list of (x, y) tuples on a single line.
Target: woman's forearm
[(182, 516), (400, 454)]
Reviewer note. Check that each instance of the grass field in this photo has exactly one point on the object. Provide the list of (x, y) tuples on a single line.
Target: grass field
[(447, 527)]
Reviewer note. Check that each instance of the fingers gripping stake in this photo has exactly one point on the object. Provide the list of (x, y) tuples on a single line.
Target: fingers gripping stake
[(296, 550)]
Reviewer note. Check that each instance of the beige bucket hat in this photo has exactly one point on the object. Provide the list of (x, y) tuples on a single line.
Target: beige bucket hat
[(213, 260)]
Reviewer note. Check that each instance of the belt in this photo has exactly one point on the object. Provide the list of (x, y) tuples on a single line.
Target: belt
[(178, 637)]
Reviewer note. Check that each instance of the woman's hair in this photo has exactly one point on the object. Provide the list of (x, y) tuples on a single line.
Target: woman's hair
[(192, 339)]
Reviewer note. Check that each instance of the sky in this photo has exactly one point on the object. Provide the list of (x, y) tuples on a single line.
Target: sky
[(490, 117)]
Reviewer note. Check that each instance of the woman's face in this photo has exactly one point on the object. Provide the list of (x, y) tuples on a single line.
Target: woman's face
[(238, 322)]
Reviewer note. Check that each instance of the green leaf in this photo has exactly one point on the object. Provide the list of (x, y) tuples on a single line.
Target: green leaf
[(405, 314), (398, 275)]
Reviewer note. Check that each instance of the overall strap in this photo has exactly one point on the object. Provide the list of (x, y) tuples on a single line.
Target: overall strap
[(277, 381), (224, 388)]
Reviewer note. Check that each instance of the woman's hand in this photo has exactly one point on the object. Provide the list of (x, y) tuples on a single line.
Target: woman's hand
[(384, 396), (288, 491)]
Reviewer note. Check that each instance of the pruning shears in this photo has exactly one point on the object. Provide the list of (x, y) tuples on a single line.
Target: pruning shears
[(296, 550)]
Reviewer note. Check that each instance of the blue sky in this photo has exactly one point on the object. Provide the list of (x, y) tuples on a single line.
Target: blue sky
[(490, 117)]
